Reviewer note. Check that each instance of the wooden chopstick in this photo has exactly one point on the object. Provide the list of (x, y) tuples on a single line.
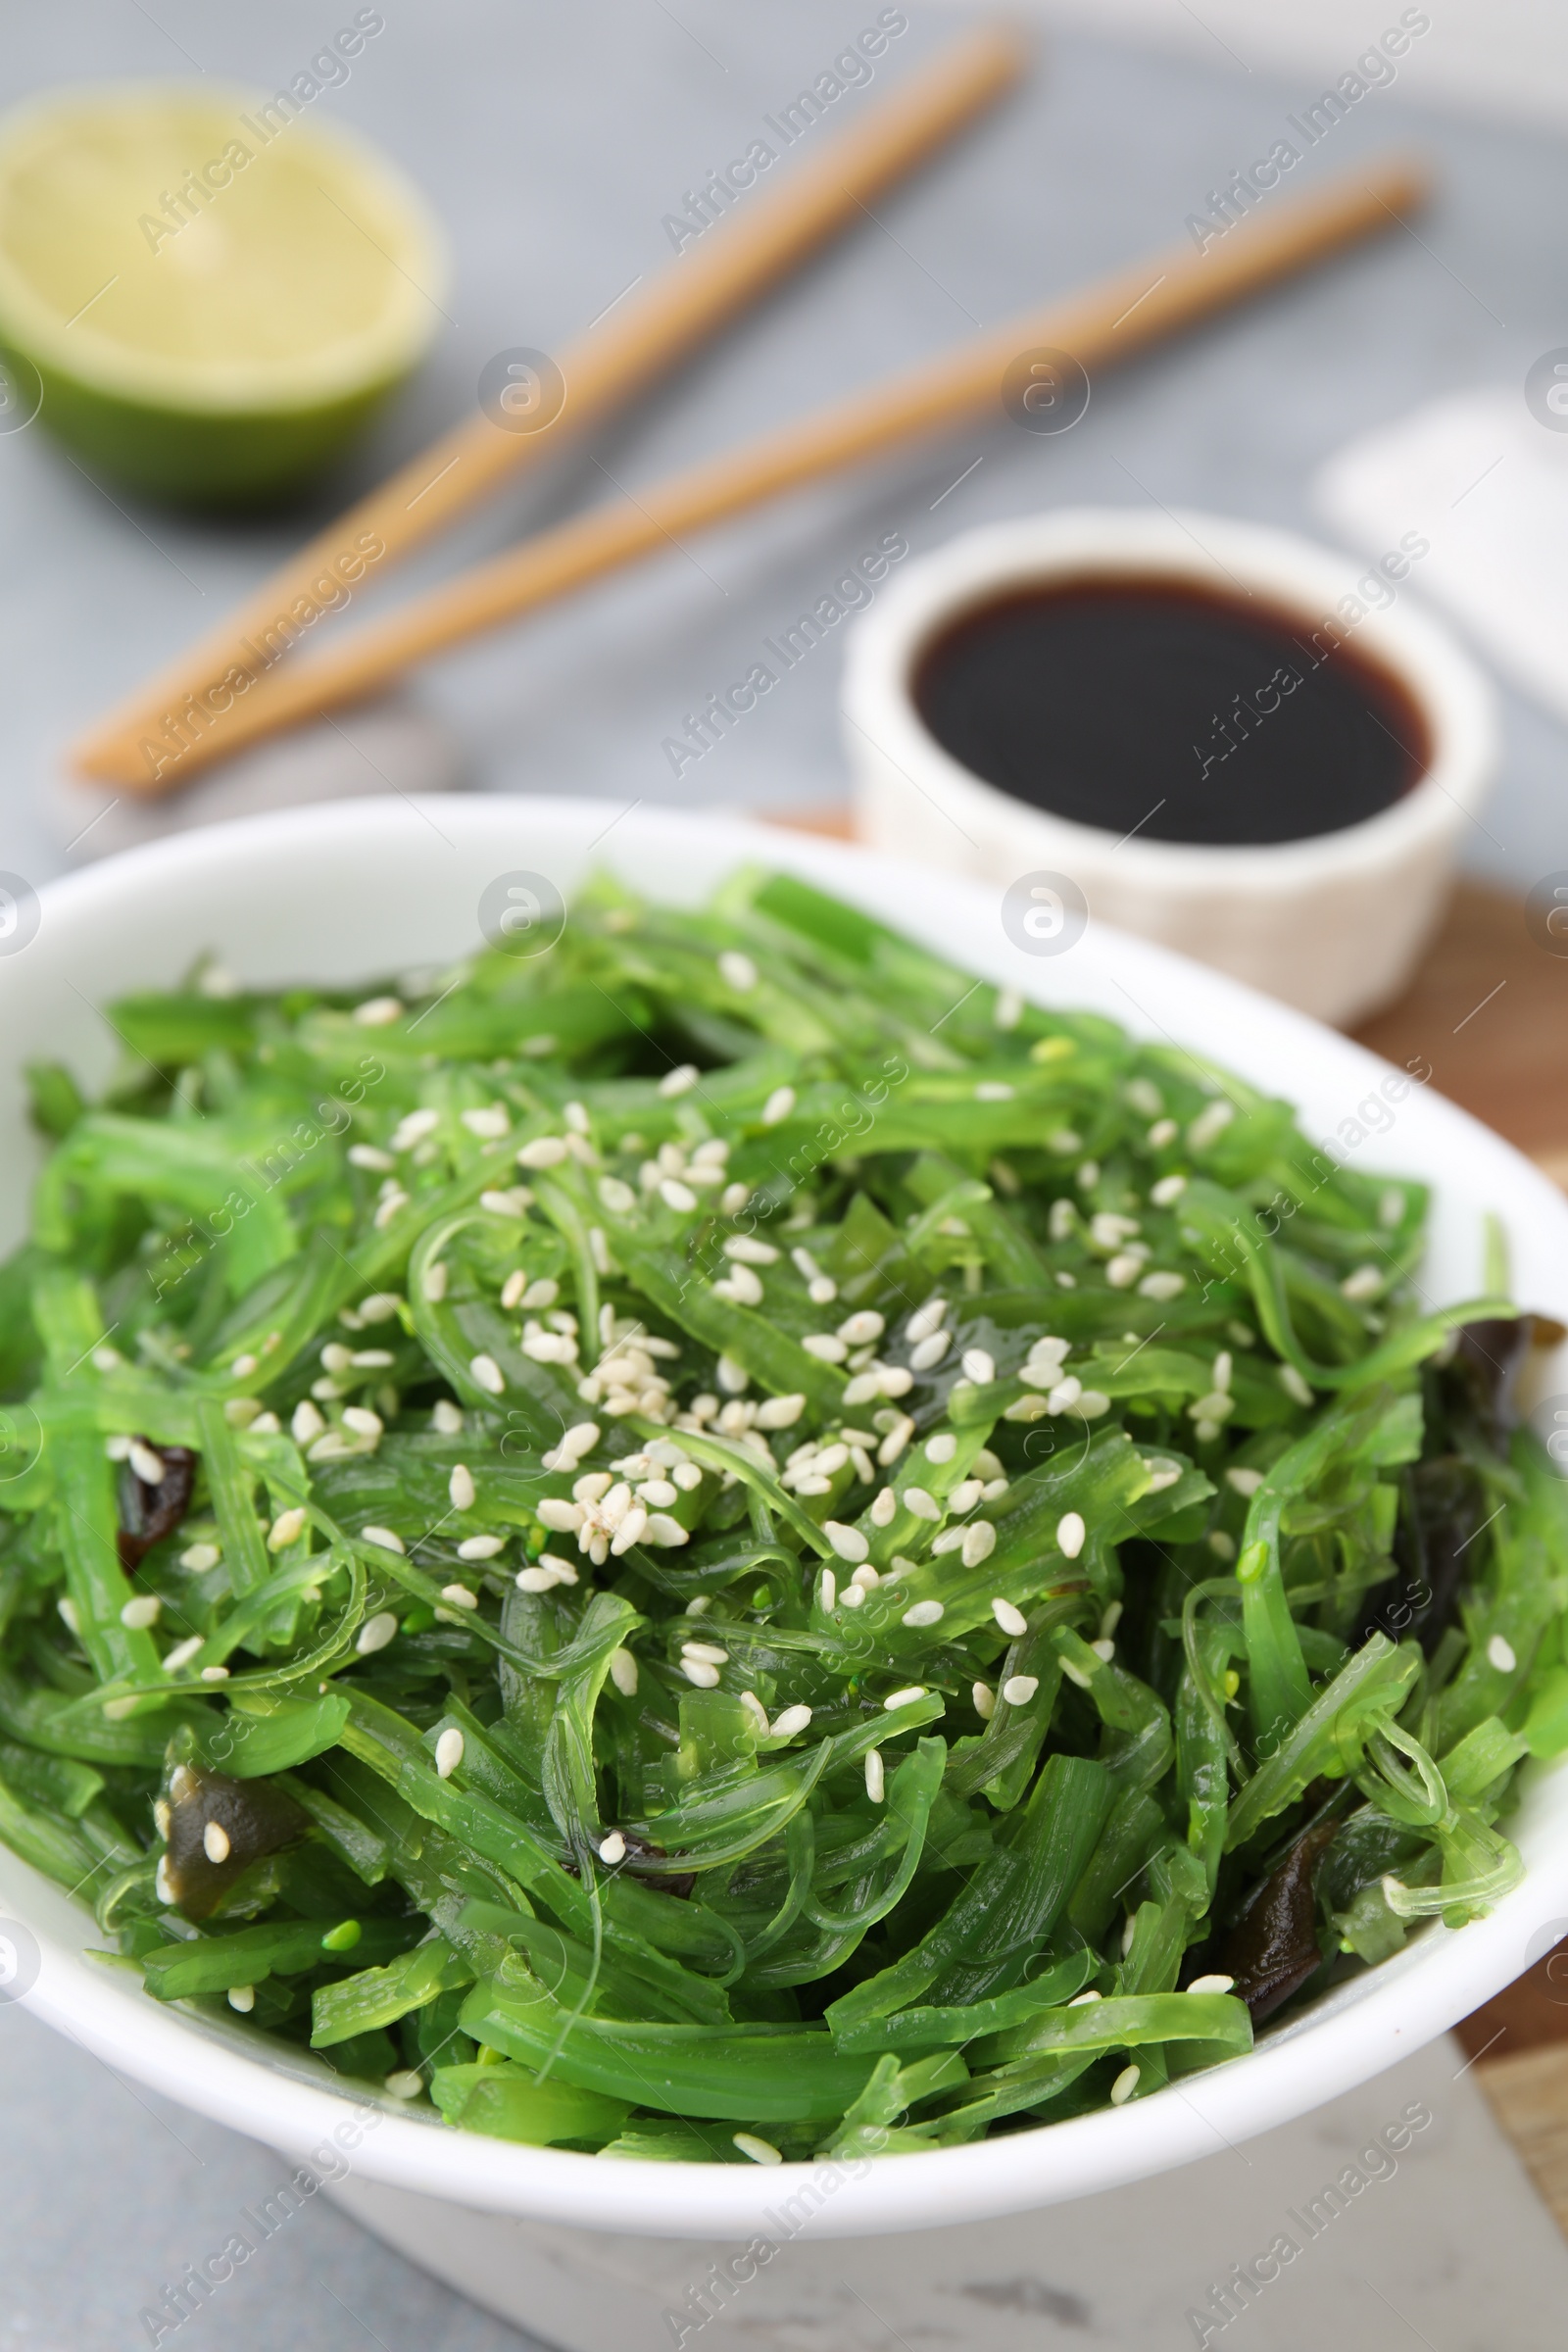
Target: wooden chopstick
[(1104, 324), (739, 256)]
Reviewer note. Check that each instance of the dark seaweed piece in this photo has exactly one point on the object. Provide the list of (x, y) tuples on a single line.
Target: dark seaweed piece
[(1273, 1948), (216, 1828), (1489, 1359), (1440, 1510), (148, 1513), (640, 1852)]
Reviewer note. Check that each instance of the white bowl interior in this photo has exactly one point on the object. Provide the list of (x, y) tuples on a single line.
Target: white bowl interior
[(360, 889)]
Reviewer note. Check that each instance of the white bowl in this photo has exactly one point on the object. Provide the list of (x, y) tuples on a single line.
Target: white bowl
[(359, 889), (1333, 924)]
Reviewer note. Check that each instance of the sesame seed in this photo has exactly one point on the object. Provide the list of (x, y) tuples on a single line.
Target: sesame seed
[(486, 1374), (481, 1548), (709, 1651), (679, 1081), (446, 1418), (618, 1198), (199, 1558), (1126, 2083), (1162, 1287), (141, 1613), (460, 1488), (1082, 2000), (182, 1654), (781, 1412), (750, 1252), (923, 1612), (847, 1542), (214, 1842), (1167, 1190), (780, 1102), (1071, 1534), (415, 1128), (827, 1592), (543, 1151), (791, 1722), (242, 1997), (404, 2084), (985, 1700), (897, 1438), (737, 972), (1215, 1983), (979, 1542), (459, 1596), (884, 1506), (1019, 1689), (1244, 1481), (612, 1849), (376, 1012), (375, 1634), (923, 1505), (623, 1672), (1500, 1653), (704, 1676), (978, 1366), (1014, 1622), (942, 1447), (149, 1466), (876, 1779), (288, 1529), (367, 1155), (760, 2151), (448, 1752), (904, 1699), (859, 1330)]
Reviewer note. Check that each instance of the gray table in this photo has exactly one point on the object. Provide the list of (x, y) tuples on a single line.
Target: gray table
[(554, 140)]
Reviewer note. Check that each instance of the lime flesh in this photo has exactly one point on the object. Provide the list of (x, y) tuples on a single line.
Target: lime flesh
[(209, 294)]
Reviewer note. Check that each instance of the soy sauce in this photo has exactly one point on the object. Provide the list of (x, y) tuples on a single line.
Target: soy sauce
[(1140, 703)]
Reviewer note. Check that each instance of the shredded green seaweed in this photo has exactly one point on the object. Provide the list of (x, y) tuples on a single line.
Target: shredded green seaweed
[(725, 1527)]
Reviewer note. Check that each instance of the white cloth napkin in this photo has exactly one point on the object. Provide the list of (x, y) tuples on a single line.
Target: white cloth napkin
[(1488, 485)]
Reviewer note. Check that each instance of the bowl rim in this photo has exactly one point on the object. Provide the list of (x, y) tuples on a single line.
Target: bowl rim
[(1352, 2033), (1216, 552)]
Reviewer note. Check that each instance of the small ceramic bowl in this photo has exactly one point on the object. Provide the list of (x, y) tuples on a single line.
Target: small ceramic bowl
[(1333, 924)]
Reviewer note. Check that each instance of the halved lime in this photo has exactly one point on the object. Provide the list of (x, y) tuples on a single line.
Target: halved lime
[(213, 290)]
